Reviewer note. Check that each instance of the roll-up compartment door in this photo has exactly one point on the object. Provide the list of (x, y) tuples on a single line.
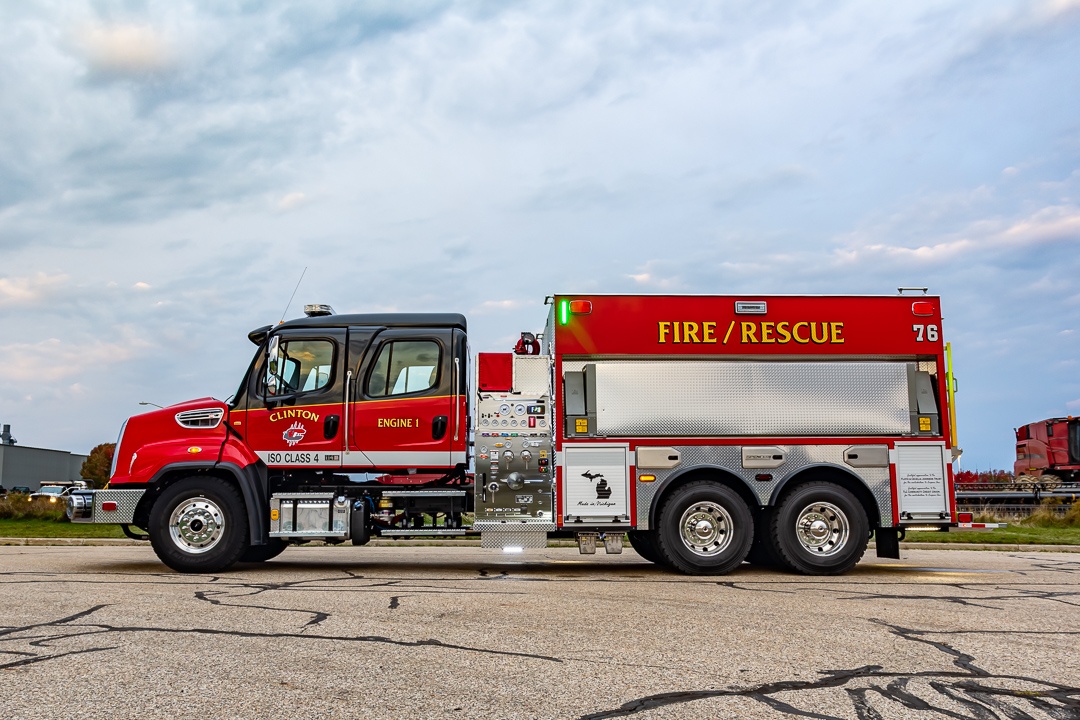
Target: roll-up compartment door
[(922, 491)]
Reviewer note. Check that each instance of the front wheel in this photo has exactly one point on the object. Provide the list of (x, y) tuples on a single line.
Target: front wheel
[(705, 529), (820, 529), (262, 553), (199, 525)]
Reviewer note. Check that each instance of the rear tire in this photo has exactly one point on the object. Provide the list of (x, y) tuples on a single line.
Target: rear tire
[(762, 551), (199, 525), (644, 544), (820, 529), (705, 529)]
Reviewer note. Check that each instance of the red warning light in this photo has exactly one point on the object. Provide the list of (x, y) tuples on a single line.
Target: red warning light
[(922, 308), (580, 307)]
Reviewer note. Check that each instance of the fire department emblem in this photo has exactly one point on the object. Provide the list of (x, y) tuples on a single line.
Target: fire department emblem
[(294, 434)]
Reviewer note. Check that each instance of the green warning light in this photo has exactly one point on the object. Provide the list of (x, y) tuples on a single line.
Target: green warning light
[(573, 307)]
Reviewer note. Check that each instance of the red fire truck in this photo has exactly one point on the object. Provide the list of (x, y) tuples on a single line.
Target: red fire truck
[(709, 430)]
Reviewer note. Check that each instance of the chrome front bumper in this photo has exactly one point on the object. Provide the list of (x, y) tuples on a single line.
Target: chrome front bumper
[(115, 507)]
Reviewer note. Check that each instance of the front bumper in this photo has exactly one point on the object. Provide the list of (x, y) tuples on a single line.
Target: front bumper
[(115, 507)]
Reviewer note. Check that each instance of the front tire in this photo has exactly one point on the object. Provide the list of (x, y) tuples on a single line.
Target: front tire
[(820, 529), (199, 525), (261, 553), (705, 529)]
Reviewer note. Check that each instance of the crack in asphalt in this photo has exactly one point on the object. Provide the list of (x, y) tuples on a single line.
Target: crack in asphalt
[(872, 692), (79, 620), (967, 687)]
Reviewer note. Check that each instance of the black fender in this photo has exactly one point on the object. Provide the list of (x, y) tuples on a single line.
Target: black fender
[(831, 472), (251, 480), (684, 475)]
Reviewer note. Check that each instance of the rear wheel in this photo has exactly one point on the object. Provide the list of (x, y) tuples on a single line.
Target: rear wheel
[(820, 529), (644, 543), (705, 529), (199, 525)]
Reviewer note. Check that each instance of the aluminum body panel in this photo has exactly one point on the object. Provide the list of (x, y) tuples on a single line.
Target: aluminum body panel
[(519, 536), (650, 456), (705, 398), (126, 502), (798, 457), (532, 374)]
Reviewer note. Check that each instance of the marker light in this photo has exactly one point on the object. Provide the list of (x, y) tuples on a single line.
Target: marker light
[(922, 308), (573, 307), (108, 506)]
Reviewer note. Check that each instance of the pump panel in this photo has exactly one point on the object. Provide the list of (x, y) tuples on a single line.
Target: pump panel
[(514, 458)]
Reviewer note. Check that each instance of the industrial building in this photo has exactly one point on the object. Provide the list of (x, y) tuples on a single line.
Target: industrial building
[(33, 467)]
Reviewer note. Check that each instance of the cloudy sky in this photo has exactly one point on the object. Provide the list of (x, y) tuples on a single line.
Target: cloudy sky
[(168, 170)]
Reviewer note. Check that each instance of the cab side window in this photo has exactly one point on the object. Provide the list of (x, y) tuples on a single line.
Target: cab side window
[(403, 367), (300, 366)]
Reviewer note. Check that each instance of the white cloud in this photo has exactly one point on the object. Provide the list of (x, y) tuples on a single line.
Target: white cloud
[(55, 360), (656, 275), (291, 201), (125, 49), (28, 289), (1057, 223)]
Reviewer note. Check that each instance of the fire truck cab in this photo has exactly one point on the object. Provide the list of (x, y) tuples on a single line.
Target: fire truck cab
[(708, 430)]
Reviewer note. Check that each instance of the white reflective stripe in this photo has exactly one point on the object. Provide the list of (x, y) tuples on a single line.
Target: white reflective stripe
[(356, 458), (405, 458), (300, 457)]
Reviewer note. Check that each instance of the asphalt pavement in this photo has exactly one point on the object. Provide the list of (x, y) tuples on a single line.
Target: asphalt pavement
[(454, 632)]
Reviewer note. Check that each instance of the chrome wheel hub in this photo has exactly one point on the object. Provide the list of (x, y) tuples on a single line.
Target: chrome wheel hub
[(705, 528), (196, 525), (822, 529)]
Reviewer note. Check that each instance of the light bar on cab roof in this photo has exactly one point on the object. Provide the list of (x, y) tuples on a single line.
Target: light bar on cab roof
[(318, 310)]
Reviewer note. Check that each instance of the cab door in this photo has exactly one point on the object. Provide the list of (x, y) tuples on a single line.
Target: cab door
[(296, 400), (402, 414)]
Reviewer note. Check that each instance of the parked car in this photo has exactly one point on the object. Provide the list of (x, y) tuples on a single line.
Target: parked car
[(53, 492), (22, 489)]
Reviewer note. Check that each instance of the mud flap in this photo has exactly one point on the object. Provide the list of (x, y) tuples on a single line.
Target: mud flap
[(888, 542)]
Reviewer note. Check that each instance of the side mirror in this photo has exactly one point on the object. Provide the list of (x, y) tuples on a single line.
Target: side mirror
[(273, 363)]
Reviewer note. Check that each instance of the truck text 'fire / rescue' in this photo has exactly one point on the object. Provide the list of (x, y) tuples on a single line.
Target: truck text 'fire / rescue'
[(709, 430)]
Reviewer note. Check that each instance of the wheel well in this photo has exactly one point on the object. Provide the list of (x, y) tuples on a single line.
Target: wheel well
[(836, 476), (713, 474), (168, 478)]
